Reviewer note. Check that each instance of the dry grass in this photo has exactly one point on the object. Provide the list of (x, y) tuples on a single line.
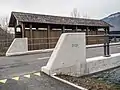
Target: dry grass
[(90, 83)]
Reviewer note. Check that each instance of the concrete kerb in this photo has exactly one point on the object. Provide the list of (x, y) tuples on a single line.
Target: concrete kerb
[(31, 52), (67, 82), (40, 51)]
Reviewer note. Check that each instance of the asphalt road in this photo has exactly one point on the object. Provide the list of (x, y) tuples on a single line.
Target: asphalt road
[(42, 82), (20, 65)]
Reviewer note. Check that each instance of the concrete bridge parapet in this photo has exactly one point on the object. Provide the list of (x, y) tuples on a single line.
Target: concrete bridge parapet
[(18, 46), (69, 57)]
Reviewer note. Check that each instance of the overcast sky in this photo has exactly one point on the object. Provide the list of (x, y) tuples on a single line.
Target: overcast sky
[(93, 8)]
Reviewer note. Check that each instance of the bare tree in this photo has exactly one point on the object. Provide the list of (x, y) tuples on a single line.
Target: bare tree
[(5, 36), (85, 16), (75, 13), (8, 32), (4, 23)]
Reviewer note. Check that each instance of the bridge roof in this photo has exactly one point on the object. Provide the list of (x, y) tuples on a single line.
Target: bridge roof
[(50, 19)]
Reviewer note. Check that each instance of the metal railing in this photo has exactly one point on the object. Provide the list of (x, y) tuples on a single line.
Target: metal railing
[(107, 39)]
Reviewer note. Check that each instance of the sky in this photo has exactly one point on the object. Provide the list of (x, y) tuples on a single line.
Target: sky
[(96, 9)]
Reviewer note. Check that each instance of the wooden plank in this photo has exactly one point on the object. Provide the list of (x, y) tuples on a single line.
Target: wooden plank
[(31, 36), (48, 35), (23, 30)]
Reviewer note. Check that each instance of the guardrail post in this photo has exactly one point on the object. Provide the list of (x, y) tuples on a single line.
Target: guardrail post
[(106, 46), (106, 43)]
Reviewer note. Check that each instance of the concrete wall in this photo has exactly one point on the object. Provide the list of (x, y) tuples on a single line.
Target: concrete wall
[(68, 56), (101, 63), (18, 46)]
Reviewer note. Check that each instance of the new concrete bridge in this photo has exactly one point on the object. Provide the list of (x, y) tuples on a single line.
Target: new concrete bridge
[(20, 65)]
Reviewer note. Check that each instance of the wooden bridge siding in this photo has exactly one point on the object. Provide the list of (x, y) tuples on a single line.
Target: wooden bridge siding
[(40, 41), (55, 34), (95, 40)]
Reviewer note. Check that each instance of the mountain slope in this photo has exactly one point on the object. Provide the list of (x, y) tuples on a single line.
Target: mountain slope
[(114, 20)]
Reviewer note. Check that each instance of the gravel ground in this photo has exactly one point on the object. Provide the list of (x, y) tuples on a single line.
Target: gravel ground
[(106, 80)]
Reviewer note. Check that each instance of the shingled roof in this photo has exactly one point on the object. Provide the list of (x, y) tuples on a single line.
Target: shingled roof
[(49, 19)]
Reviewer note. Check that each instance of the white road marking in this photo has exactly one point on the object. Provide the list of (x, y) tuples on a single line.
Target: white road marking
[(44, 58), (38, 74), (27, 76), (16, 78), (3, 81)]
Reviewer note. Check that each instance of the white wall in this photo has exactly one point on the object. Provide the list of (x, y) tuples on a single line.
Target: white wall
[(69, 55), (101, 63), (19, 45)]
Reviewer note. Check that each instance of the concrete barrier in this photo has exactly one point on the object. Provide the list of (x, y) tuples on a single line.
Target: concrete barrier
[(97, 64), (68, 56), (18, 46)]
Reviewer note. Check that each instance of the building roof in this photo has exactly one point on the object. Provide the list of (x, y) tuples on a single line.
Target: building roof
[(49, 19)]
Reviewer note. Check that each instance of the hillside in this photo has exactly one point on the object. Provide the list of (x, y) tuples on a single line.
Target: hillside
[(114, 20)]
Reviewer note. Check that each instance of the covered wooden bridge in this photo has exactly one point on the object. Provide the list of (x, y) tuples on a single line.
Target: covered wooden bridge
[(43, 31)]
